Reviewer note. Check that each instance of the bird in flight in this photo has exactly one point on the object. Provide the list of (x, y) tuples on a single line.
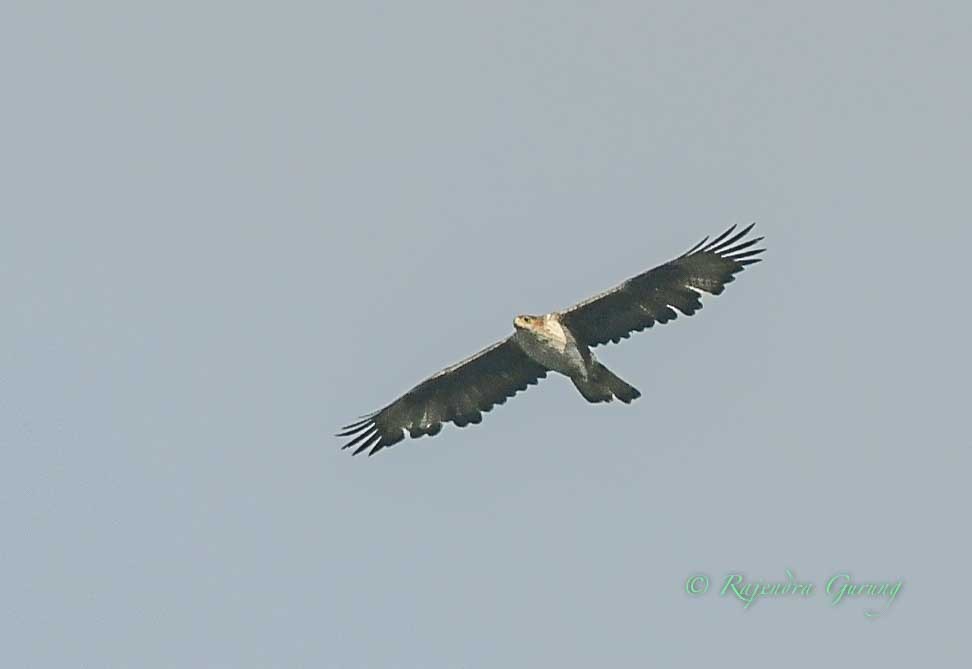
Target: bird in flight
[(560, 341)]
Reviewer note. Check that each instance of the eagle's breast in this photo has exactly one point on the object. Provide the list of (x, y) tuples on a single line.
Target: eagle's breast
[(553, 346)]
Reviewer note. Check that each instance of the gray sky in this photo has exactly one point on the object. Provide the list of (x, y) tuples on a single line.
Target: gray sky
[(225, 231)]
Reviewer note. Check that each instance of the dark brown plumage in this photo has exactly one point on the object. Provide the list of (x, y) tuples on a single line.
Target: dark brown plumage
[(559, 341)]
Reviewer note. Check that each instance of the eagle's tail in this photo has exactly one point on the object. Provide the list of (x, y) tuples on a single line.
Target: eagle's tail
[(604, 385)]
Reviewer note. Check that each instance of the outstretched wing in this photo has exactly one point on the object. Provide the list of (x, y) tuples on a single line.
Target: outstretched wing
[(458, 393), (654, 296)]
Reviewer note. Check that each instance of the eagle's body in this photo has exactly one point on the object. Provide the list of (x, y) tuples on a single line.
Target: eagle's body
[(546, 341), (559, 341), (551, 343)]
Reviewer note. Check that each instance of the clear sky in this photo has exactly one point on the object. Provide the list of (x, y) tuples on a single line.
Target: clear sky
[(227, 229)]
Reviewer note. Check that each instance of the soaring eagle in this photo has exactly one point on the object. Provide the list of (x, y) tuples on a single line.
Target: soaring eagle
[(560, 341)]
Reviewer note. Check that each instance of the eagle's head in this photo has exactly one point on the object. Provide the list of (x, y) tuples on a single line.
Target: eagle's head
[(525, 322)]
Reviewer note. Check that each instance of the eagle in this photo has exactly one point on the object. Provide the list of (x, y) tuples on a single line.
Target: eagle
[(559, 341)]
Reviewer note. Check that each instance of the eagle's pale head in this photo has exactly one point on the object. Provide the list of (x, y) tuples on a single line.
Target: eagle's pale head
[(526, 322)]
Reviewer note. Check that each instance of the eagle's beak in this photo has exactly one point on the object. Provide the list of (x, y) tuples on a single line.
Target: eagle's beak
[(519, 322)]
